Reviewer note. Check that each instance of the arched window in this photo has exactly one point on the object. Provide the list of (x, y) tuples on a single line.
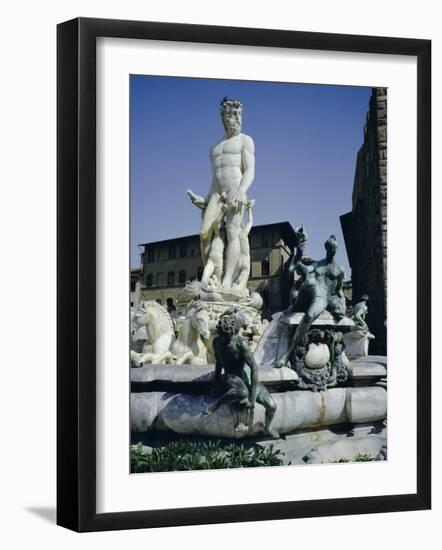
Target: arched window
[(265, 268), (183, 250), (200, 273), (182, 276), (172, 252), (159, 279), (149, 279), (171, 278)]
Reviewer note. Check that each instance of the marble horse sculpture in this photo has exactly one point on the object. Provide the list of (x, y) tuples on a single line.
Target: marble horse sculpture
[(160, 334), (189, 346), (162, 346)]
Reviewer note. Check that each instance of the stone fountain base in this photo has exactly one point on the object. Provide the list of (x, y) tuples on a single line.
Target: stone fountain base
[(183, 413), (343, 442), (345, 423)]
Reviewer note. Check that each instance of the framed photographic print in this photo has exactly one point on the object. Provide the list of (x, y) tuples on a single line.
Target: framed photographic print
[(238, 210)]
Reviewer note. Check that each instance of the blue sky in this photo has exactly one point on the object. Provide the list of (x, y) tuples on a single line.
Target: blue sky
[(306, 139)]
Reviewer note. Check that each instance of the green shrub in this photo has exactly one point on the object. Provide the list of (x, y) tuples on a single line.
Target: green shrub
[(364, 458), (357, 458), (191, 455)]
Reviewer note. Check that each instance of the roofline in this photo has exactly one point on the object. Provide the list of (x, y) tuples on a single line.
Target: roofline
[(287, 225)]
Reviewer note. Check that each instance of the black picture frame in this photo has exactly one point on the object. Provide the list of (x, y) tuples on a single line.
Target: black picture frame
[(76, 274)]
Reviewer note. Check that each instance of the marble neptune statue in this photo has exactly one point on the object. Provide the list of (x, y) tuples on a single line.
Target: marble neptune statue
[(233, 170)]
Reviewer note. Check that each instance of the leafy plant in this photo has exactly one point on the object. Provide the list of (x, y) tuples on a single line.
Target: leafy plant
[(190, 455), (364, 458), (357, 458)]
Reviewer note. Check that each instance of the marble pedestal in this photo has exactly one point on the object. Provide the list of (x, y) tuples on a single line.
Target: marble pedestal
[(276, 336), (318, 359), (356, 343)]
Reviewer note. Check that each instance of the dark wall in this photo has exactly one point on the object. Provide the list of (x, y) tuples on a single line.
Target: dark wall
[(365, 227)]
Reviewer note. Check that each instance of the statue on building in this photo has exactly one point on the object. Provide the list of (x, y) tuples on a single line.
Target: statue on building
[(236, 375)]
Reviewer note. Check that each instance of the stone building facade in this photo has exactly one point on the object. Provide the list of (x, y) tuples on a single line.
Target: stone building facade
[(135, 275), (167, 265), (365, 227)]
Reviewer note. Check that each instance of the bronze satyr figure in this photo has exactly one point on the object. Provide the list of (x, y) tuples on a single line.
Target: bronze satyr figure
[(236, 375)]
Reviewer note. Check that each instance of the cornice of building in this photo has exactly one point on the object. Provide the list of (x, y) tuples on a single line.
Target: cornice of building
[(286, 230)]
